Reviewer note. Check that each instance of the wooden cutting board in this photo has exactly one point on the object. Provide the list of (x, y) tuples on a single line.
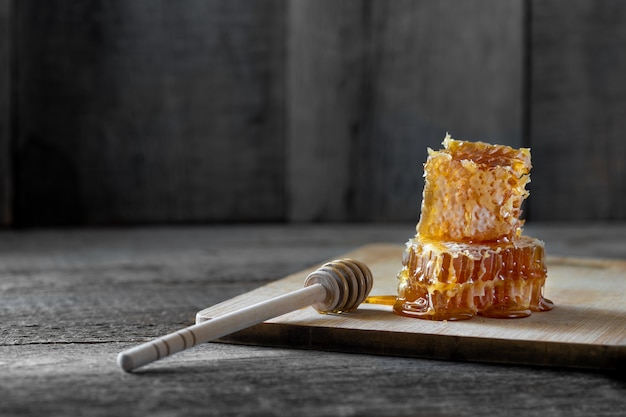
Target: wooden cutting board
[(586, 329)]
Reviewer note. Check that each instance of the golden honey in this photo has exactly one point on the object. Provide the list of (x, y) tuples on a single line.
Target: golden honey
[(469, 255), (455, 281), (474, 191)]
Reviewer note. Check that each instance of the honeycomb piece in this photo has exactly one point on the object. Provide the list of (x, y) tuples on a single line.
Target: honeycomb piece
[(473, 192), (469, 255), (455, 281)]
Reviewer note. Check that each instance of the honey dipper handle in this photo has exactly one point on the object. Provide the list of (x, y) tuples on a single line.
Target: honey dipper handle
[(220, 326)]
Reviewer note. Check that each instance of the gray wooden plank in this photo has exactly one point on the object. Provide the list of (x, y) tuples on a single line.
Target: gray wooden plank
[(436, 67), (373, 84), (5, 113), (150, 111), (216, 380), (327, 46), (114, 98), (578, 102), (71, 300), (69, 287)]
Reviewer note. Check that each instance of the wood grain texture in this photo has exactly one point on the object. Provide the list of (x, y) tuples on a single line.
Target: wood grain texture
[(584, 330), (578, 102), (6, 177), (159, 112), (71, 300), (373, 84), (150, 111), (436, 67), (327, 48)]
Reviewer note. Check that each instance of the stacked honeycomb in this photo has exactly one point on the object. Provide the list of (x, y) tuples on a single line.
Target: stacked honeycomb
[(469, 255)]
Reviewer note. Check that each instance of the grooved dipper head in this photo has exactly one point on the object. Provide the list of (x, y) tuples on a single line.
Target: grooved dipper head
[(347, 281)]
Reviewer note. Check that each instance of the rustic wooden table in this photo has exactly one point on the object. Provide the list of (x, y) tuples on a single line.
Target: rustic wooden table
[(70, 300)]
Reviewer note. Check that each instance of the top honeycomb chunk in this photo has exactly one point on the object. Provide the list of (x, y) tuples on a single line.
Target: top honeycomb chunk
[(474, 192)]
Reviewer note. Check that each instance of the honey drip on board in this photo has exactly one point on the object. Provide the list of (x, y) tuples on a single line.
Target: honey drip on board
[(469, 256), (386, 300)]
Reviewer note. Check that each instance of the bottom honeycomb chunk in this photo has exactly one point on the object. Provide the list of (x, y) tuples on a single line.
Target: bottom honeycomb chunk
[(456, 281)]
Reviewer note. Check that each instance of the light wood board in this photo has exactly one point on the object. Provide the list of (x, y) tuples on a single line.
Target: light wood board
[(586, 329)]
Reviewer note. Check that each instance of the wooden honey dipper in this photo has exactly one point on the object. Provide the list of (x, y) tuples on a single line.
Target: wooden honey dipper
[(337, 286)]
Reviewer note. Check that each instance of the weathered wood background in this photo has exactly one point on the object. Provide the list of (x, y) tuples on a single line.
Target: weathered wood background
[(5, 114), (127, 112)]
